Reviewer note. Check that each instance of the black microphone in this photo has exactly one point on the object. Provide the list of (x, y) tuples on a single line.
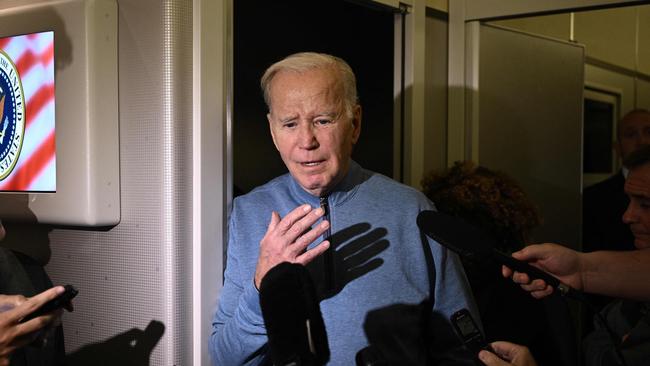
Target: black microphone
[(470, 242), (292, 317)]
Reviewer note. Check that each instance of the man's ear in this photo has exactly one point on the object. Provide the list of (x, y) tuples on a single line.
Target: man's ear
[(356, 124), (268, 117)]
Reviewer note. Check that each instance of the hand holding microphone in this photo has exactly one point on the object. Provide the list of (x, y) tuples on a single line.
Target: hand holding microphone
[(557, 260), (472, 243)]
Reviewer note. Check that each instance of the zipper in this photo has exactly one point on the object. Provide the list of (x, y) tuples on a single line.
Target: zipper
[(328, 256)]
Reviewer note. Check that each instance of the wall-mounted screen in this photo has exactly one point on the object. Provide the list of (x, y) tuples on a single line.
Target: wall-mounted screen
[(59, 151), (27, 113)]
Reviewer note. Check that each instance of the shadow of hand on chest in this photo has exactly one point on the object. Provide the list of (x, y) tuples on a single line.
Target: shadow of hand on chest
[(354, 252)]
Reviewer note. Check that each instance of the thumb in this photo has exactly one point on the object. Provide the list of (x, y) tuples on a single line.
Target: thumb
[(275, 219), (528, 253), (490, 359)]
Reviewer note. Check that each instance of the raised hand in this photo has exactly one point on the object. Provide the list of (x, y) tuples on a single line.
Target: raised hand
[(287, 239)]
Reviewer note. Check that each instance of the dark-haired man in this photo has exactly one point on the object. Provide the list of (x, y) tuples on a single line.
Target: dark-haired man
[(605, 202), (618, 274)]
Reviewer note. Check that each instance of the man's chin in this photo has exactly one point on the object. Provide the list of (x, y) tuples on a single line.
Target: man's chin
[(643, 243), (315, 187)]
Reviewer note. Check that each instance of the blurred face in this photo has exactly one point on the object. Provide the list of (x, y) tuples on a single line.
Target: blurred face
[(634, 132), (310, 128), (637, 215)]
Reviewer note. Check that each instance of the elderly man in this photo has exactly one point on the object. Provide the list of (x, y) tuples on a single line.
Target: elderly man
[(365, 223), (621, 274)]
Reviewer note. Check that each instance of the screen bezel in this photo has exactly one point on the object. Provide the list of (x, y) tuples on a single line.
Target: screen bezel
[(87, 130)]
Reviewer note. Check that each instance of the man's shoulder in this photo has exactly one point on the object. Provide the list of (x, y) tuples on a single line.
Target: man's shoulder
[(614, 183), (390, 188), (277, 187)]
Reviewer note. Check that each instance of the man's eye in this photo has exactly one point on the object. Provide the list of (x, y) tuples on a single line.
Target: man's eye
[(323, 122), (629, 134), (289, 124)]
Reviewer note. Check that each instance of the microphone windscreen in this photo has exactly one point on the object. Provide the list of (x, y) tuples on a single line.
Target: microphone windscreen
[(455, 234), (473, 243), (292, 317)]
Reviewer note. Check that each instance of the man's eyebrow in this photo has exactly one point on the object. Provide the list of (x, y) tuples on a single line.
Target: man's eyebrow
[(331, 114), (288, 119)]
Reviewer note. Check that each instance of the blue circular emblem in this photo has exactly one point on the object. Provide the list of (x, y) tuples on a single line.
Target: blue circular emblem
[(12, 115)]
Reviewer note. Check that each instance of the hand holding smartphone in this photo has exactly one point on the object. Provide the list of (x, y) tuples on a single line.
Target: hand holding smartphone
[(468, 331), (58, 302)]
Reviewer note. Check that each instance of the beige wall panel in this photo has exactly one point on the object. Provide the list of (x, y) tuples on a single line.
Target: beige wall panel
[(608, 35), (435, 94), (643, 94), (612, 82), (555, 26), (644, 39)]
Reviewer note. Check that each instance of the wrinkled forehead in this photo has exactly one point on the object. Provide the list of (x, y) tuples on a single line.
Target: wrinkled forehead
[(316, 84), (638, 181), (635, 120)]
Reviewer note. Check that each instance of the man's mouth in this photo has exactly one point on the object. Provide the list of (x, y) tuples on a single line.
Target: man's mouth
[(311, 163)]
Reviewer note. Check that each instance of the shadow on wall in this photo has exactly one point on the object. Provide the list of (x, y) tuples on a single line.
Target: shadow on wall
[(131, 348)]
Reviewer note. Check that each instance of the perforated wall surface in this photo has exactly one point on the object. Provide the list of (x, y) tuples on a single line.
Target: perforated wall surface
[(135, 279)]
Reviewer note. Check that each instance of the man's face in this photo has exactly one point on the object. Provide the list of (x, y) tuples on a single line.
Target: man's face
[(637, 215), (310, 128), (634, 132)]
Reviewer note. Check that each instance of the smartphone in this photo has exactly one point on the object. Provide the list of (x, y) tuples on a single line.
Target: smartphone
[(56, 303), (468, 331)]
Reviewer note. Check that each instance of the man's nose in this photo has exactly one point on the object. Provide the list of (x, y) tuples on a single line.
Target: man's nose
[(307, 137), (629, 216), (644, 139)]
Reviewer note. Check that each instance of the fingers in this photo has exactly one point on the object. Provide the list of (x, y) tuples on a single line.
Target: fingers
[(514, 353), (505, 350), (506, 272), (314, 252), (533, 252), (275, 220), (301, 226), (289, 221), (33, 303), (287, 238), (542, 293), (303, 241), (294, 231), (491, 359), (32, 326), (538, 288)]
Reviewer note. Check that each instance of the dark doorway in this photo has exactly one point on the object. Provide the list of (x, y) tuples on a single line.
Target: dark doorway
[(267, 31)]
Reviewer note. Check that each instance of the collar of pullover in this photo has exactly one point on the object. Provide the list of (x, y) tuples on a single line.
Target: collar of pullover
[(341, 192)]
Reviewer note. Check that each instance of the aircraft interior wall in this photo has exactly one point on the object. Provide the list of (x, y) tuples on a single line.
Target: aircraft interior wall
[(134, 279)]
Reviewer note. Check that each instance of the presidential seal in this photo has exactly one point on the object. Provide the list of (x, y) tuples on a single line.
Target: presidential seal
[(12, 115)]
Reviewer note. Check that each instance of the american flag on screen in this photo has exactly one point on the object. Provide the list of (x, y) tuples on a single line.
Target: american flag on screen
[(27, 158)]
